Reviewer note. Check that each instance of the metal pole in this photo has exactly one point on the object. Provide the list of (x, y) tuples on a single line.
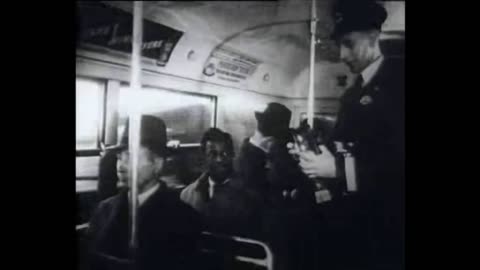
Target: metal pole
[(134, 119), (311, 85)]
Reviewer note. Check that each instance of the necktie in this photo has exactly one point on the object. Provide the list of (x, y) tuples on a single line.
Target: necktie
[(358, 88), (211, 191), (349, 100)]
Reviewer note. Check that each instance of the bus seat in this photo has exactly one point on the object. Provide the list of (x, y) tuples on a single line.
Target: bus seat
[(232, 252), (81, 231)]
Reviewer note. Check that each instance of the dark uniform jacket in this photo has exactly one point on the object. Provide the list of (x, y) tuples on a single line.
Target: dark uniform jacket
[(372, 118)]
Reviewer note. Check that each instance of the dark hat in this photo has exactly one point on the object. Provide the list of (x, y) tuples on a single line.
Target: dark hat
[(357, 15), (274, 121), (153, 135)]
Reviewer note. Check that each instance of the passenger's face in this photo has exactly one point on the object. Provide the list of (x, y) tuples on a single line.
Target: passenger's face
[(357, 49), (149, 167), (219, 160)]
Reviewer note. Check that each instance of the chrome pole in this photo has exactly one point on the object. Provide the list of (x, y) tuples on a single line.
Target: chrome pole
[(311, 85), (134, 118)]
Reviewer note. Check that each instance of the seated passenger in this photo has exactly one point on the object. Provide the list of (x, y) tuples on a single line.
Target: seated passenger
[(218, 195), (167, 228), (107, 175)]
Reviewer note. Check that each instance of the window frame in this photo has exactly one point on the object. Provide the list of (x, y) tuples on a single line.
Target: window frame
[(107, 132), (214, 104), (102, 119)]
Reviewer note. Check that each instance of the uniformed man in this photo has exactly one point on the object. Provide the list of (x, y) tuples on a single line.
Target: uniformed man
[(371, 118)]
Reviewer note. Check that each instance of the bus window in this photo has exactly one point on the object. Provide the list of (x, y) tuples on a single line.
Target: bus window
[(89, 100), (89, 126), (186, 116)]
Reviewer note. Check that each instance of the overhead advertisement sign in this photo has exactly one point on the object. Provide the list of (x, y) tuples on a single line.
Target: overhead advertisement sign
[(108, 27), (227, 65)]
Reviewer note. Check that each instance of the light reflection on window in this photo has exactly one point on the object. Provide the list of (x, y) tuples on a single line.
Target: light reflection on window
[(186, 116), (323, 116), (89, 96)]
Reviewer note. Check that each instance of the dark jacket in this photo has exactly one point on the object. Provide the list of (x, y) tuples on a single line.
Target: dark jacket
[(376, 128), (232, 209), (283, 216), (285, 175), (167, 232), (107, 175), (270, 175), (252, 163)]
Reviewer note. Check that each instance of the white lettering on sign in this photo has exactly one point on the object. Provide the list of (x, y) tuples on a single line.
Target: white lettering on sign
[(119, 40), (152, 44), (95, 32), (220, 71), (128, 39), (230, 66), (236, 61)]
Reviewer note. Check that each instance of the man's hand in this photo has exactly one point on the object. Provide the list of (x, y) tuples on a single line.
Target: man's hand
[(321, 165)]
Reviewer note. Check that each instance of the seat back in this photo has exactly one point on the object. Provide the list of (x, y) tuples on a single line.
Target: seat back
[(233, 252)]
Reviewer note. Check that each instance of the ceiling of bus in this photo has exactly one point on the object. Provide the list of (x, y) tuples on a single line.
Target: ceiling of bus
[(274, 32)]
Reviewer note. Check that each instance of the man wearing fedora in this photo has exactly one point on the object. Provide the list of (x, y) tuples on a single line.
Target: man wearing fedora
[(371, 120), (265, 164), (272, 124), (266, 167), (167, 228)]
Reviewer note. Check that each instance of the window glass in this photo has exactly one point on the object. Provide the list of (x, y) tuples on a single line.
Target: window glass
[(186, 116), (89, 99)]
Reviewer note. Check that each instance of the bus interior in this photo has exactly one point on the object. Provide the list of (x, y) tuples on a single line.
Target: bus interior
[(205, 64)]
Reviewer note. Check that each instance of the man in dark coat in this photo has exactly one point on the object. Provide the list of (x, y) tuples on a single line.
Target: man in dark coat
[(167, 229), (267, 167), (371, 118), (218, 195)]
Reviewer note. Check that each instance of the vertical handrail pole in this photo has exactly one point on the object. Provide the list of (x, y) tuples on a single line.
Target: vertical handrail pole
[(311, 85), (134, 118)]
